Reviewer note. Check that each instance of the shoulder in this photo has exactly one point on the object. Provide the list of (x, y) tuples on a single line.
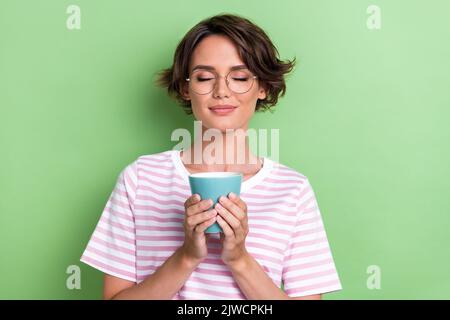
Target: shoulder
[(299, 184), (161, 157), (147, 161), (149, 164), (285, 174), (293, 180)]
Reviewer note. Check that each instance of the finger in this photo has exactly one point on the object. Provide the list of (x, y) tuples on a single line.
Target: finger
[(227, 231), (196, 219), (191, 200), (232, 207), (236, 199), (204, 225), (199, 207), (240, 214), (228, 216), (237, 226)]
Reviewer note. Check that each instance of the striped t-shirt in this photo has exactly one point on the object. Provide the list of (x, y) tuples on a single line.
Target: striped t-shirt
[(142, 226)]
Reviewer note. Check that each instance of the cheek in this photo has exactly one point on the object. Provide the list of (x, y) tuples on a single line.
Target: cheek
[(198, 105), (249, 100)]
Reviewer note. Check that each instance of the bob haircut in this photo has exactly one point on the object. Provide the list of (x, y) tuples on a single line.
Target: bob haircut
[(254, 47)]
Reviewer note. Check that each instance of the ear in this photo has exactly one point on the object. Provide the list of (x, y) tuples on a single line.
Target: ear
[(185, 92), (262, 92)]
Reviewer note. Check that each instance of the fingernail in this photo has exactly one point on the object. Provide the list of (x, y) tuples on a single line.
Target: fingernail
[(222, 198), (232, 195), (196, 197), (218, 206)]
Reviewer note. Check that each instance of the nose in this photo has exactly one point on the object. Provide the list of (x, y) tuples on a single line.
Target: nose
[(221, 88)]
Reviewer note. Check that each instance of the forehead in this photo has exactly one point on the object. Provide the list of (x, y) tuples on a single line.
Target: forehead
[(217, 51)]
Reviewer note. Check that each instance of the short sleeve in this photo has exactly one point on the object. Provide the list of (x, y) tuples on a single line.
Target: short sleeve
[(112, 246), (308, 266)]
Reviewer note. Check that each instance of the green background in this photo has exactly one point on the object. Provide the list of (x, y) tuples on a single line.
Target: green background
[(366, 118)]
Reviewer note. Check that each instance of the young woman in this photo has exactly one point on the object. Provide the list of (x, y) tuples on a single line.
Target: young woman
[(150, 240)]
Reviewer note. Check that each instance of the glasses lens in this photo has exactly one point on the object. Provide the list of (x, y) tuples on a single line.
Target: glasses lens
[(240, 81), (202, 81)]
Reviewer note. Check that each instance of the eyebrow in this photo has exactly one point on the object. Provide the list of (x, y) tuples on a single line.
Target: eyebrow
[(206, 67)]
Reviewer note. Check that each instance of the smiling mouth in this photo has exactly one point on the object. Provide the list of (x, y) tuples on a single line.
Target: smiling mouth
[(222, 110), (227, 106)]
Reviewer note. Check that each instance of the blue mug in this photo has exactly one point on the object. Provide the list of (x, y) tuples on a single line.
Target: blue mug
[(212, 185)]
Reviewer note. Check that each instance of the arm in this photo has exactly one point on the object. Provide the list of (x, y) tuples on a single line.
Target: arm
[(256, 284), (168, 279), (248, 274), (163, 284)]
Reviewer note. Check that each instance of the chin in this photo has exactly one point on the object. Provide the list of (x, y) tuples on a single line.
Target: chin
[(223, 124)]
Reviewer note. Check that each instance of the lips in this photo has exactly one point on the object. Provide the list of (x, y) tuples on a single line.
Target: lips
[(222, 109)]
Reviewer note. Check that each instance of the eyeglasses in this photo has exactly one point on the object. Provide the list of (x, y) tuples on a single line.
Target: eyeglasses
[(203, 81)]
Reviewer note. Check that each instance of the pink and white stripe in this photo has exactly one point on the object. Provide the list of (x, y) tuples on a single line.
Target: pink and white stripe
[(141, 226)]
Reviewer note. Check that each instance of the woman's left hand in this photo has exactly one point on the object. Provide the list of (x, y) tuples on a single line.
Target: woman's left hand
[(232, 218)]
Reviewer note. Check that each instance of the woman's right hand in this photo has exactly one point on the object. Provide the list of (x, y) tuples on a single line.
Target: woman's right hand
[(197, 219)]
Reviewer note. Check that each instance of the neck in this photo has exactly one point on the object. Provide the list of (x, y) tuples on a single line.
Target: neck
[(221, 151)]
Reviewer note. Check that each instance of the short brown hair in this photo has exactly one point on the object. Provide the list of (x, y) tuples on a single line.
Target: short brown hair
[(254, 47)]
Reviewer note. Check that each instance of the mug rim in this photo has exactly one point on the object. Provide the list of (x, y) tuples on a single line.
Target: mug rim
[(215, 174)]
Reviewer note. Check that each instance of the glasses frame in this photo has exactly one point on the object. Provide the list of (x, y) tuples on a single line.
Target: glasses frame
[(217, 79)]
